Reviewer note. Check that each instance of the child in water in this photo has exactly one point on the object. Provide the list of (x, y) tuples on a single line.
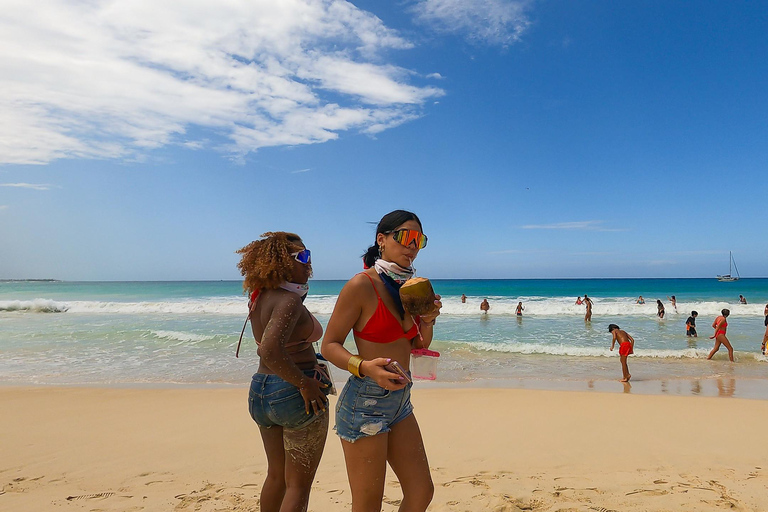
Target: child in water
[(626, 347), (690, 325)]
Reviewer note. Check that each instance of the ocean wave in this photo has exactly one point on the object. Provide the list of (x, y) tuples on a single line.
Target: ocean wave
[(181, 336), (34, 306), (452, 306), (576, 351), (620, 306)]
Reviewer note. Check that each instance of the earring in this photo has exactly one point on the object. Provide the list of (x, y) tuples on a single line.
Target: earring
[(381, 250)]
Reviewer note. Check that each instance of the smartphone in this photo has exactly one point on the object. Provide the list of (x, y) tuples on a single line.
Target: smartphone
[(395, 367)]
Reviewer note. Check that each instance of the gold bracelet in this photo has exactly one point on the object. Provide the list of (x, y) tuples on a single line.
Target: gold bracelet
[(354, 365)]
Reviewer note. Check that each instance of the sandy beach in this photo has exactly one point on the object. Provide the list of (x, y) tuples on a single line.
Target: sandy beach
[(490, 449)]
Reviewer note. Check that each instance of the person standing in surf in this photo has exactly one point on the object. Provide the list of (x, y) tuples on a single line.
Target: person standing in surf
[(374, 415), (626, 348), (287, 398), (588, 303), (720, 325), (690, 325), (765, 336), (673, 301)]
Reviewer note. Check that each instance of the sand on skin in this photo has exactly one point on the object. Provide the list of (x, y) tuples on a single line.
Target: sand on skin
[(489, 449)]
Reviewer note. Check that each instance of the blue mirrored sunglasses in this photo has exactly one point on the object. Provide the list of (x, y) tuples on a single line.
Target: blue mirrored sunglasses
[(304, 256)]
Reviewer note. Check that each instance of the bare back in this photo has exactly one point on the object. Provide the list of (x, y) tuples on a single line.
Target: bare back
[(265, 318)]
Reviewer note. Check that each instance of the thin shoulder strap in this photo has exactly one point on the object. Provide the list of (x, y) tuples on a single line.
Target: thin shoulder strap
[(250, 310), (374, 286)]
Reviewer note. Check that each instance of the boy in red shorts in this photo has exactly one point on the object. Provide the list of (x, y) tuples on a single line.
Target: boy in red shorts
[(626, 347)]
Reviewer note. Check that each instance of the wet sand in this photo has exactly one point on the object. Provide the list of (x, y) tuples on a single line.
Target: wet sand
[(489, 449)]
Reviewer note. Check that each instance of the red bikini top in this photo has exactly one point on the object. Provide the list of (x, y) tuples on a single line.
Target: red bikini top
[(383, 327)]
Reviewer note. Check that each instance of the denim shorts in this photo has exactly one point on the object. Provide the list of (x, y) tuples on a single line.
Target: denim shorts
[(366, 409), (275, 402)]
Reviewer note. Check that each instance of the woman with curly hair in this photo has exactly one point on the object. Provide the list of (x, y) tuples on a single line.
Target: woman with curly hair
[(287, 398), (374, 416)]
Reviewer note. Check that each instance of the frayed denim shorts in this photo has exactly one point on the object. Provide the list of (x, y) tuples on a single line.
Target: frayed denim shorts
[(366, 409), (275, 402)]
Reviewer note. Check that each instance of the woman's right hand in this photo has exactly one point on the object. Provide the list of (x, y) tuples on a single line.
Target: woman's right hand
[(374, 369), (314, 398)]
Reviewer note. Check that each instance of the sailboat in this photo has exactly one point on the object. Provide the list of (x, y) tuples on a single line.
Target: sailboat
[(729, 277)]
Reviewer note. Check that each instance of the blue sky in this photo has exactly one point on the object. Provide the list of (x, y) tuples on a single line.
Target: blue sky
[(143, 141)]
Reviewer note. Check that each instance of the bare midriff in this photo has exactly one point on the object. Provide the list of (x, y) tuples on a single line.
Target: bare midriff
[(399, 350), (305, 359)]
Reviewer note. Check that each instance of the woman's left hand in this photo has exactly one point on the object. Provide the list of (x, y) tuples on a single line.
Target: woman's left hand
[(432, 316)]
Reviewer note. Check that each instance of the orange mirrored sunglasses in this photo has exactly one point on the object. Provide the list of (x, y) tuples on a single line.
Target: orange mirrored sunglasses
[(409, 238)]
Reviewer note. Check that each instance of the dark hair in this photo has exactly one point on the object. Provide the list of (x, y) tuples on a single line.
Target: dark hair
[(659, 302), (612, 327), (726, 312), (694, 313), (387, 223)]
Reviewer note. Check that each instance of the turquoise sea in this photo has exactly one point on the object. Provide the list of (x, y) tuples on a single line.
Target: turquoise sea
[(184, 333)]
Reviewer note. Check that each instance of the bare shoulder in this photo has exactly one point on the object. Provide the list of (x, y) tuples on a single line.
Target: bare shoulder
[(358, 284), (284, 300)]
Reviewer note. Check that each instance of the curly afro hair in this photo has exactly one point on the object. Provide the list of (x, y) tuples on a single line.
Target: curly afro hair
[(267, 262)]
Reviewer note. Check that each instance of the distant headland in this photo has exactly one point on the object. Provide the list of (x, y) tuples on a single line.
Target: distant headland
[(30, 281)]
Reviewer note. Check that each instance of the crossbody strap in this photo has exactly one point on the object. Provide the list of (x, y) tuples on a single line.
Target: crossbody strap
[(254, 297)]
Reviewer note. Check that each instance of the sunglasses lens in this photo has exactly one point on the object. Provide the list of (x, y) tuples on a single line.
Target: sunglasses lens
[(410, 238), (304, 256)]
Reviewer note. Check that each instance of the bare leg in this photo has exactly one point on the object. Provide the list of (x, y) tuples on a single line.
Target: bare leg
[(715, 348), (728, 346), (273, 491), (366, 461), (625, 369), (408, 460), (303, 450)]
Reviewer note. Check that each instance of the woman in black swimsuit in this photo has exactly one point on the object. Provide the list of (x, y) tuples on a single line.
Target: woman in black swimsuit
[(660, 308)]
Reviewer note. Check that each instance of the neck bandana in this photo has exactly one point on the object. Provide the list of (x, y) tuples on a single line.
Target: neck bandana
[(299, 289), (397, 273), (393, 276)]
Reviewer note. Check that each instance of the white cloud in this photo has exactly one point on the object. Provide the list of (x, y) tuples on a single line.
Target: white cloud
[(114, 78), (32, 186), (436, 76), (493, 22), (3, 207), (300, 171), (587, 225)]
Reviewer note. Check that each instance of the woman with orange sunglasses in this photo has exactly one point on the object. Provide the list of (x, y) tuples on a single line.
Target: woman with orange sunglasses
[(374, 416)]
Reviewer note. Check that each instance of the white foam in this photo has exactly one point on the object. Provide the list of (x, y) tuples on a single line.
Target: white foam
[(452, 306), (180, 336), (564, 306), (34, 306), (574, 351)]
